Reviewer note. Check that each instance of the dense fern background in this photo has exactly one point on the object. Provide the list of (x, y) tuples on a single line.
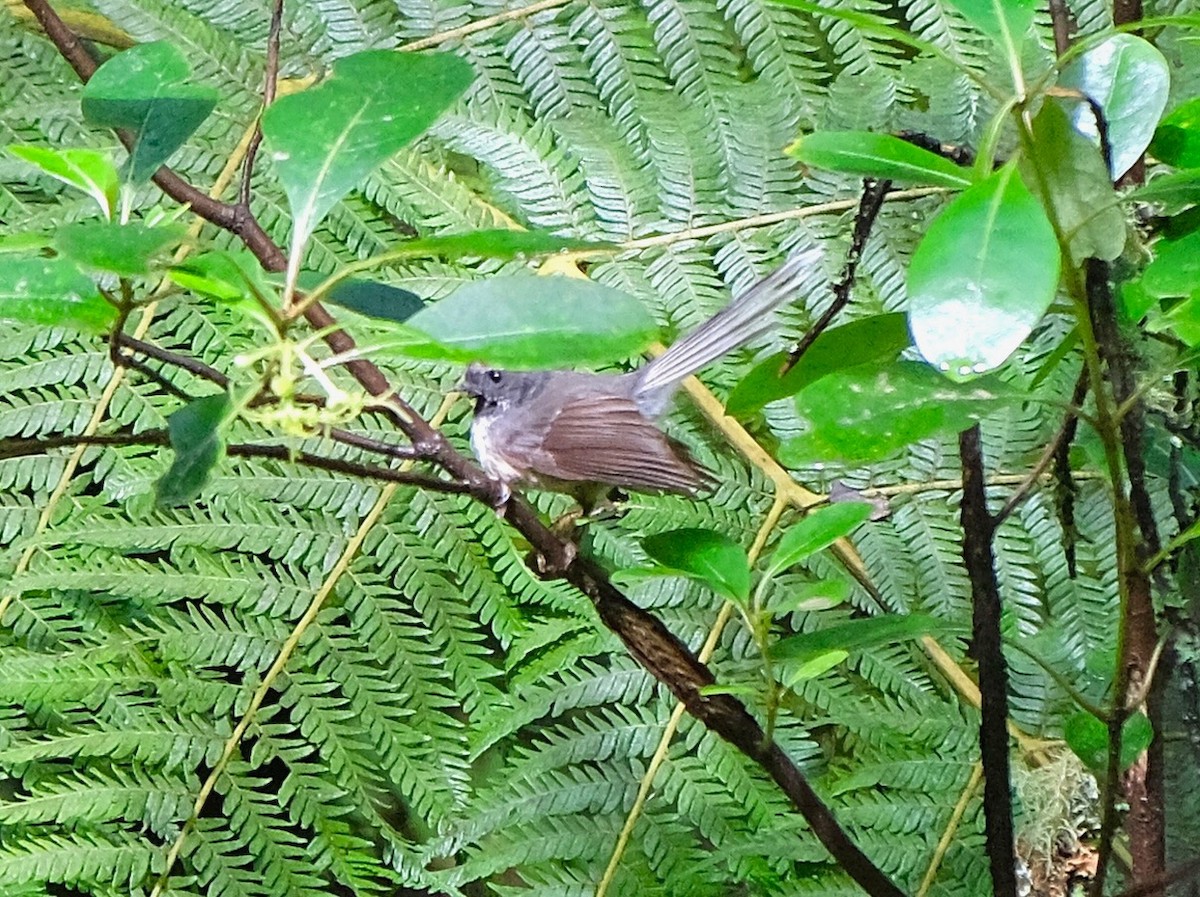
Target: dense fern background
[(450, 722)]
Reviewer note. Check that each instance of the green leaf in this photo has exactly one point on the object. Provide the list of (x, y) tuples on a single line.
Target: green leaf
[(1177, 138), (818, 530), (52, 292), (1180, 318), (88, 170), (794, 672), (1087, 737), (1136, 735), (145, 90), (880, 156), (233, 277), (870, 412), (855, 634), (223, 275), (996, 18), (325, 140), (982, 276), (377, 300), (811, 596), (1130, 80), (1175, 270), (24, 244), (1080, 186), (701, 554), (529, 321), (1179, 189), (123, 249), (1134, 301), (195, 432), (877, 338)]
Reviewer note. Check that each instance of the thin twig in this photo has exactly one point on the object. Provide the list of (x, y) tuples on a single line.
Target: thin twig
[(1064, 436), (20, 448), (1063, 24), (212, 375), (869, 205), (769, 218), (270, 80)]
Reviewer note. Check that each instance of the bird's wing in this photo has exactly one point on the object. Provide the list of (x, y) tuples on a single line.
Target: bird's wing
[(607, 439)]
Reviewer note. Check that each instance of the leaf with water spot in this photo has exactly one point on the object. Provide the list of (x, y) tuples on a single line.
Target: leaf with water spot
[(870, 412), (982, 277), (1129, 79)]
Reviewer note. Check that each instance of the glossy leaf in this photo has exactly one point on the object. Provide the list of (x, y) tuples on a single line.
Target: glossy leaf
[(818, 530), (880, 156), (704, 555), (529, 321), (195, 433), (878, 338), (88, 170), (1177, 137), (1175, 270), (145, 89), (376, 300), (52, 292), (122, 249), (995, 18), (982, 277), (855, 634), (1130, 80), (811, 596), (870, 412), (1079, 184), (1087, 737), (325, 140), (817, 664)]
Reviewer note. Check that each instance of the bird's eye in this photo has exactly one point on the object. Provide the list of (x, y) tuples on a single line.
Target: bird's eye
[(494, 376)]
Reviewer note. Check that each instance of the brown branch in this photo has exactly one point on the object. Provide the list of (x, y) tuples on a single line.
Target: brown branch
[(1064, 437), (986, 644), (650, 642), (212, 375), (269, 84), (874, 193), (19, 448), (1064, 26), (1144, 782)]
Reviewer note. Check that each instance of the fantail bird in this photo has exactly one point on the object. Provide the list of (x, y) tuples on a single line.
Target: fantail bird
[(585, 433)]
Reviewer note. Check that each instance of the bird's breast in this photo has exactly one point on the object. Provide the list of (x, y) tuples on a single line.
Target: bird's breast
[(489, 449)]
